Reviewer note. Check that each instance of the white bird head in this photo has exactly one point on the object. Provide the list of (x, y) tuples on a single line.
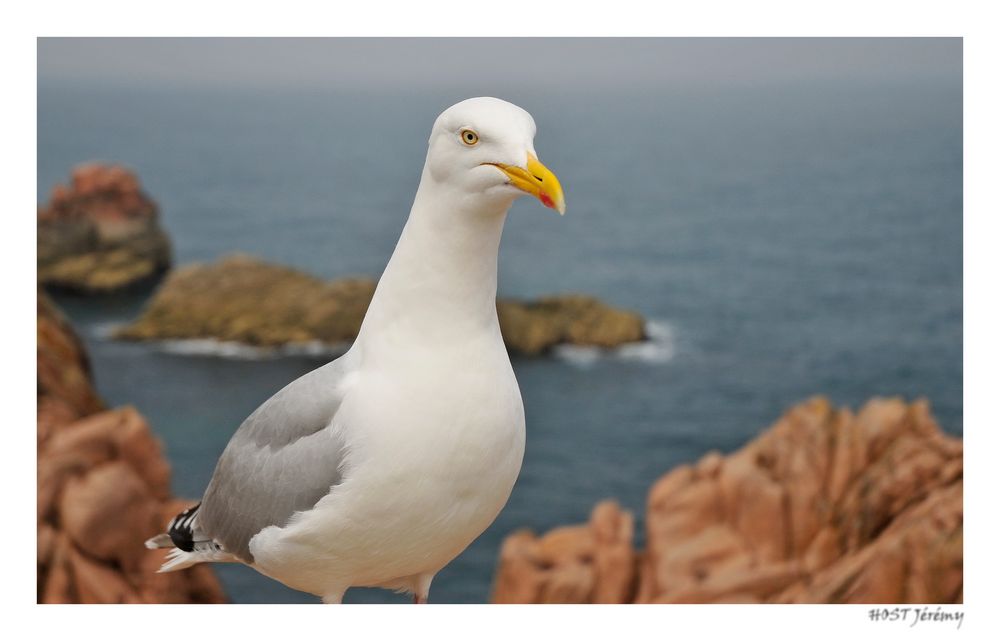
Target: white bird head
[(484, 148)]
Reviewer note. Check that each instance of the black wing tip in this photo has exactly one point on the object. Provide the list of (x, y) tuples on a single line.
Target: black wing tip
[(181, 529)]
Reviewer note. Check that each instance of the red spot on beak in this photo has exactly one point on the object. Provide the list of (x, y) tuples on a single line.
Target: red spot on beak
[(548, 202)]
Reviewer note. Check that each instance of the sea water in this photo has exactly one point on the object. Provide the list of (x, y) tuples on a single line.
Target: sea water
[(783, 241)]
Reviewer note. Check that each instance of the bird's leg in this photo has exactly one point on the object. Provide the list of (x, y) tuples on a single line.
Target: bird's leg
[(334, 597), (422, 588)]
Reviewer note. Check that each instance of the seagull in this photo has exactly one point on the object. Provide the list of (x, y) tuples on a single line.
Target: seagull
[(380, 467)]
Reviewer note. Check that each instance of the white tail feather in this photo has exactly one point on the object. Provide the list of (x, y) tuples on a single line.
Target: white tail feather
[(178, 559), (159, 541)]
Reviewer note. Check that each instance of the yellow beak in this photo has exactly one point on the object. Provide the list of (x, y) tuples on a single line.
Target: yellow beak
[(536, 180)]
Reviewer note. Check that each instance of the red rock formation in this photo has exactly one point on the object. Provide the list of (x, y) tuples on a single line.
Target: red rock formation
[(100, 193), (592, 563), (101, 233), (64, 389), (824, 507), (103, 488)]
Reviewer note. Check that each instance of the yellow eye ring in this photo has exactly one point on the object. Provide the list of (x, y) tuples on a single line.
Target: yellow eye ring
[(469, 137)]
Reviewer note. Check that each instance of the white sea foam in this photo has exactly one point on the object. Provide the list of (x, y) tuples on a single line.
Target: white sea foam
[(105, 330), (579, 355), (660, 347), (242, 351)]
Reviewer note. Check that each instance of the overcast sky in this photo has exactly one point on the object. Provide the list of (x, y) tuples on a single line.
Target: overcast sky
[(367, 63)]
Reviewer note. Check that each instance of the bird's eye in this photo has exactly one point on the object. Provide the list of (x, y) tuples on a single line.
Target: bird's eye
[(469, 137)]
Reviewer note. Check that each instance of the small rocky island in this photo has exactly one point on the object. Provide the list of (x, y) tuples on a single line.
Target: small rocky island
[(249, 301), (100, 234)]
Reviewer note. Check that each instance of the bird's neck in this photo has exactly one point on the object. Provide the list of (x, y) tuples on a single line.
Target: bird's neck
[(440, 284)]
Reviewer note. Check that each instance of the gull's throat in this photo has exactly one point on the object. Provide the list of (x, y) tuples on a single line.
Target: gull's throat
[(440, 283)]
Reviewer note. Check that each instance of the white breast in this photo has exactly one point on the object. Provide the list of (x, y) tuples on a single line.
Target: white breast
[(431, 460)]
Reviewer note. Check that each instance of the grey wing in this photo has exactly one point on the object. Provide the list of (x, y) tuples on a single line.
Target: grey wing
[(284, 458)]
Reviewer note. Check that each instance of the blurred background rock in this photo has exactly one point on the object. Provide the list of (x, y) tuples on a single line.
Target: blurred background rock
[(103, 488), (100, 234), (826, 506)]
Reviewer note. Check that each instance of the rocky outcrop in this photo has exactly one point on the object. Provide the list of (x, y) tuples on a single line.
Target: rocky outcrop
[(826, 506), (100, 234), (532, 327), (592, 563), (65, 392), (103, 489), (245, 300), (248, 301)]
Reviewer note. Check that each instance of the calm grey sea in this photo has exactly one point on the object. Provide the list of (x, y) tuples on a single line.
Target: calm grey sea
[(786, 241)]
